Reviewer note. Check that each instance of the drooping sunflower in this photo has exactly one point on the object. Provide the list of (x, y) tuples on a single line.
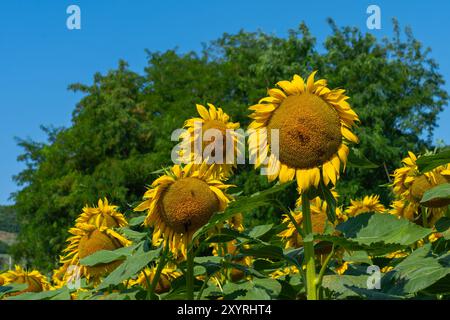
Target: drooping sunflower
[(200, 139), (403, 208), (105, 215), (88, 239), (180, 202), (367, 204), (34, 279), (314, 125), (319, 221), (59, 276), (168, 274), (410, 185)]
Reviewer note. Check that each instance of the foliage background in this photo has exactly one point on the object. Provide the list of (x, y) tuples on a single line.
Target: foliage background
[(121, 129)]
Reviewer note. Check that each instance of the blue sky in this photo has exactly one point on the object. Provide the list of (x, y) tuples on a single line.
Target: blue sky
[(40, 57)]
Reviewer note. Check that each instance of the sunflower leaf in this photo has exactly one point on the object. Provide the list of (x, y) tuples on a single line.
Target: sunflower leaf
[(43, 295), (372, 228), (130, 267), (136, 221), (428, 163), (420, 270), (107, 256), (439, 192)]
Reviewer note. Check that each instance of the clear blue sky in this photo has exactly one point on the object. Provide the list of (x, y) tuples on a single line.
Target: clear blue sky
[(40, 57)]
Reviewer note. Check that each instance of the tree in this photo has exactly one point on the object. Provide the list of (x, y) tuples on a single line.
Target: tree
[(121, 129)]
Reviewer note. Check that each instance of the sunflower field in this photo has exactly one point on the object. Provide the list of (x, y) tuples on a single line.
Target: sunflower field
[(188, 235)]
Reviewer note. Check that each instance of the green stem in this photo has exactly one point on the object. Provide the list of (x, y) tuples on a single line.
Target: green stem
[(161, 264), (199, 295), (299, 230), (324, 267), (308, 244), (424, 218), (190, 275)]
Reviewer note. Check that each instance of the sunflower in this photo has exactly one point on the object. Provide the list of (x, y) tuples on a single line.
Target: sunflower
[(104, 215), (217, 120), (168, 274), (34, 279), (180, 202), (319, 220), (341, 268), (403, 209), (59, 276), (410, 185), (367, 204), (88, 239), (314, 126), (291, 270)]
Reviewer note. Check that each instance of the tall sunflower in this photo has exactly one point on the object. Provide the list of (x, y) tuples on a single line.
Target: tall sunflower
[(215, 119), (410, 185), (367, 204), (104, 215), (34, 279), (87, 239), (180, 202), (314, 126)]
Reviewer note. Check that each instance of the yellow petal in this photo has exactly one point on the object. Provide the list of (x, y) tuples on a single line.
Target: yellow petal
[(202, 111), (310, 82)]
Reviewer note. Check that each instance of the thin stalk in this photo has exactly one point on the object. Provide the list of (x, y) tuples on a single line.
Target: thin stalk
[(424, 218), (161, 264), (324, 267), (299, 230), (308, 244), (199, 295), (190, 275)]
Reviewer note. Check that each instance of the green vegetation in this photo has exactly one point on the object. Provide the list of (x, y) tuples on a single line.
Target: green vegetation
[(8, 219), (121, 128)]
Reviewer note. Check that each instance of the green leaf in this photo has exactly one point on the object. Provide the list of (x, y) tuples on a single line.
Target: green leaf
[(260, 230), (130, 267), (443, 224), (357, 257), (264, 251), (136, 221), (63, 293), (428, 163), (133, 235), (107, 256), (356, 159), (420, 270), (12, 287), (342, 284), (212, 264), (220, 238), (371, 228), (440, 192)]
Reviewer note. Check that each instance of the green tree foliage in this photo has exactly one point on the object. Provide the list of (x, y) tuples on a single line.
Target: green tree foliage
[(8, 219), (122, 126)]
